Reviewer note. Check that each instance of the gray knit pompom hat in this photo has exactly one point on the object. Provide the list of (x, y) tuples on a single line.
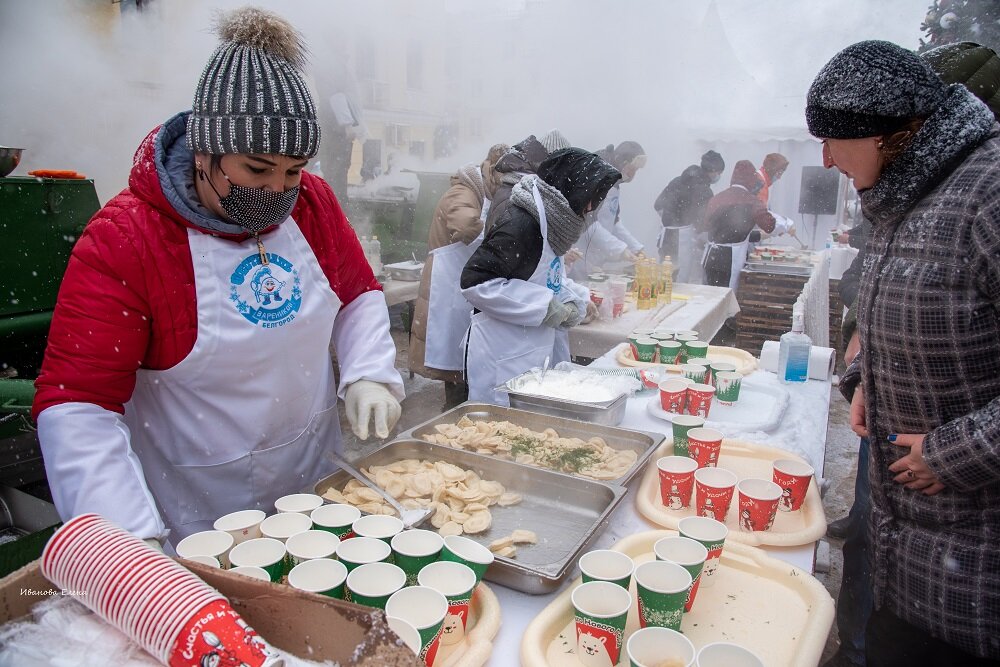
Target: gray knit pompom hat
[(251, 97), (870, 89)]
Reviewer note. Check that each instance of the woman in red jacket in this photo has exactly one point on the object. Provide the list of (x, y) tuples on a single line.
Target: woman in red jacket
[(188, 371)]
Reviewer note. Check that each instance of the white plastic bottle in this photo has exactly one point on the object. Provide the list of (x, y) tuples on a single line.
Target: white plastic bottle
[(376, 256), (793, 351)]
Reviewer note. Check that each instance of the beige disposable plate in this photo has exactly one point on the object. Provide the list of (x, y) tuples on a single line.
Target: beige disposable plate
[(484, 623), (745, 362), (804, 526), (776, 610)]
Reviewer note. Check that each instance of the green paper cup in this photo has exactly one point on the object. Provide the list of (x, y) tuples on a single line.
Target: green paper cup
[(646, 349), (373, 584), (643, 331), (413, 549), (694, 372), (717, 367), (359, 551), (282, 526), (457, 582), (724, 654), (380, 526), (727, 387), (251, 571), (211, 561), (336, 519), (680, 425), (600, 611), (460, 549), (712, 535), (671, 352), (321, 575), (687, 553), (660, 336), (696, 348), (654, 647), (662, 589), (607, 565), (214, 543), (310, 545), (632, 338), (688, 334), (425, 609), (406, 633), (263, 552)]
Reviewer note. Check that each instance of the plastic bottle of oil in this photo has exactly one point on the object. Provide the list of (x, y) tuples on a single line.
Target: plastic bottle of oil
[(665, 294), (644, 287)]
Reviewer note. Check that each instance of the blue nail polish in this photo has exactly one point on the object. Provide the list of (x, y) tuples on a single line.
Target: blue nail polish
[(892, 437)]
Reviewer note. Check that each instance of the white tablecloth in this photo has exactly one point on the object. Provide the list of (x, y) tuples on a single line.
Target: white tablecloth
[(802, 430), (704, 311), (399, 291)]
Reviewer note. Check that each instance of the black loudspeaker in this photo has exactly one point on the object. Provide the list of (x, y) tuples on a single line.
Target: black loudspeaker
[(818, 193)]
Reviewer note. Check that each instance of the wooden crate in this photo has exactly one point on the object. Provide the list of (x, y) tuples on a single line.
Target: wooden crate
[(766, 301)]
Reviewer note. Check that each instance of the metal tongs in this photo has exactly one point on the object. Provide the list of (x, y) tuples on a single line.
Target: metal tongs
[(410, 518)]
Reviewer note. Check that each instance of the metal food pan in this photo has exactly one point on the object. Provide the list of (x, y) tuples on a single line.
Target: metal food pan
[(566, 513), (643, 443), (409, 270), (607, 413)]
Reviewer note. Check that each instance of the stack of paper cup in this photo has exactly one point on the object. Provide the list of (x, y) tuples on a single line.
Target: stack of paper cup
[(166, 609)]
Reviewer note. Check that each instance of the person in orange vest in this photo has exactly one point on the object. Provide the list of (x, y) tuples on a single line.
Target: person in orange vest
[(773, 168)]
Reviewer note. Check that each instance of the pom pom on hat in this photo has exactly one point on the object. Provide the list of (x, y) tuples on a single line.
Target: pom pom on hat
[(251, 97), (869, 89)]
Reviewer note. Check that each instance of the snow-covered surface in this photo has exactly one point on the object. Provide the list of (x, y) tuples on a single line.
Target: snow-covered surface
[(579, 386)]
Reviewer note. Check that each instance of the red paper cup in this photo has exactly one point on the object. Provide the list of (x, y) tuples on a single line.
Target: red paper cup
[(128, 593), (61, 536), (61, 557), (217, 630), (112, 593), (185, 598), (165, 635), (673, 395), (704, 445), (155, 599), (617, 308), (758, 504), (793, 477), (699, 399), (676, 481), (91, 559), (713, 492)]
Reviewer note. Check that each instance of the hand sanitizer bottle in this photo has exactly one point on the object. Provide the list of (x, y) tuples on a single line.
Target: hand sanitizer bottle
[(793, 351)]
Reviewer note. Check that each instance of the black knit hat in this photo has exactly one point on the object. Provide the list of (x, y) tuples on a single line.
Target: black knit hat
[(869, 89), (251, 97), (712, 161)]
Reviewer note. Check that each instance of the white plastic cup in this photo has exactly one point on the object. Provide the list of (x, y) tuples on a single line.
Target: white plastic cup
[(725, 654), (243, 525), (311, 544), (215, 543), (301, 503)]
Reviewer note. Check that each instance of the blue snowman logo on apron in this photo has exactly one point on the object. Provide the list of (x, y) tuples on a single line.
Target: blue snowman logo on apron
[(553, 279), (260, 299), (265, 286)]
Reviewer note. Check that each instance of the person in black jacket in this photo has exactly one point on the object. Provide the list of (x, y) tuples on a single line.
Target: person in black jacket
[(681, 206), (516, 280)]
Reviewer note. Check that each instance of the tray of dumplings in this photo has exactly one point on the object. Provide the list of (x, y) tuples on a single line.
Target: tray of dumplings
[(536, 522), (568, 446)]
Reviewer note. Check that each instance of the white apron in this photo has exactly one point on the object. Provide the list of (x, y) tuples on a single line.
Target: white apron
[(737, 260), (448, 313), (250, 413), (499, 350)]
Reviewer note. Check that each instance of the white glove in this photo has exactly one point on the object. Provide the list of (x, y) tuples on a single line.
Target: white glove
[(559, 313), (365, 400), (574, 319)]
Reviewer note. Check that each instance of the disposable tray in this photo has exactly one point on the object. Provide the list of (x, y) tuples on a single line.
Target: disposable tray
[(607, 413), (477, 645), (759, 408), (776, 610), (641, 442), (804, 526), (566, 512), (745, 362)]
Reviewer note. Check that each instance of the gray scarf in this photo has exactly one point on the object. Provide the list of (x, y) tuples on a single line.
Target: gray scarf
[(470, 177), (564, 226)]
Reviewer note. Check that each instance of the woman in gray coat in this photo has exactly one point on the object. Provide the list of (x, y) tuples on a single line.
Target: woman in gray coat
[(925, 158)]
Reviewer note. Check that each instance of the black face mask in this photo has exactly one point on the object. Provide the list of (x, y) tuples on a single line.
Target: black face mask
[(255, 209)]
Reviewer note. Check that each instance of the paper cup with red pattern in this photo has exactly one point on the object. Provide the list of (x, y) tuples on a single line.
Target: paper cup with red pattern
[(793, 477), (758, 503), (336, 518), (670, 351), (673, 395), (689, 554), (699, 399), (425, 609), (676, 481), (600, 611), (216, 634), (457, 582), (704, 446), (662, 589), (712, 534), (655, 647), (713, 492)]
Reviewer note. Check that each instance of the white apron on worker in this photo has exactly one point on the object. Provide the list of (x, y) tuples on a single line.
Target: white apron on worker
[(448, 313), (499, 350), (250, 413), (738, 258)]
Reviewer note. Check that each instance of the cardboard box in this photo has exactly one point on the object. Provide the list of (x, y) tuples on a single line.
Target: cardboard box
[(308, 625)]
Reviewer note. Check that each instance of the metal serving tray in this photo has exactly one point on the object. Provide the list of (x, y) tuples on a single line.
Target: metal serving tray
[(607, 413), (643, 443), (779, 268), (409, 270), (566, 512)]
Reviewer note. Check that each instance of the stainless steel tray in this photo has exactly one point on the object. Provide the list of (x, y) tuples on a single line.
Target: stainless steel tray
[(779, 268), (566, 512), (643, 443), (409, 270), (608, 413)]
